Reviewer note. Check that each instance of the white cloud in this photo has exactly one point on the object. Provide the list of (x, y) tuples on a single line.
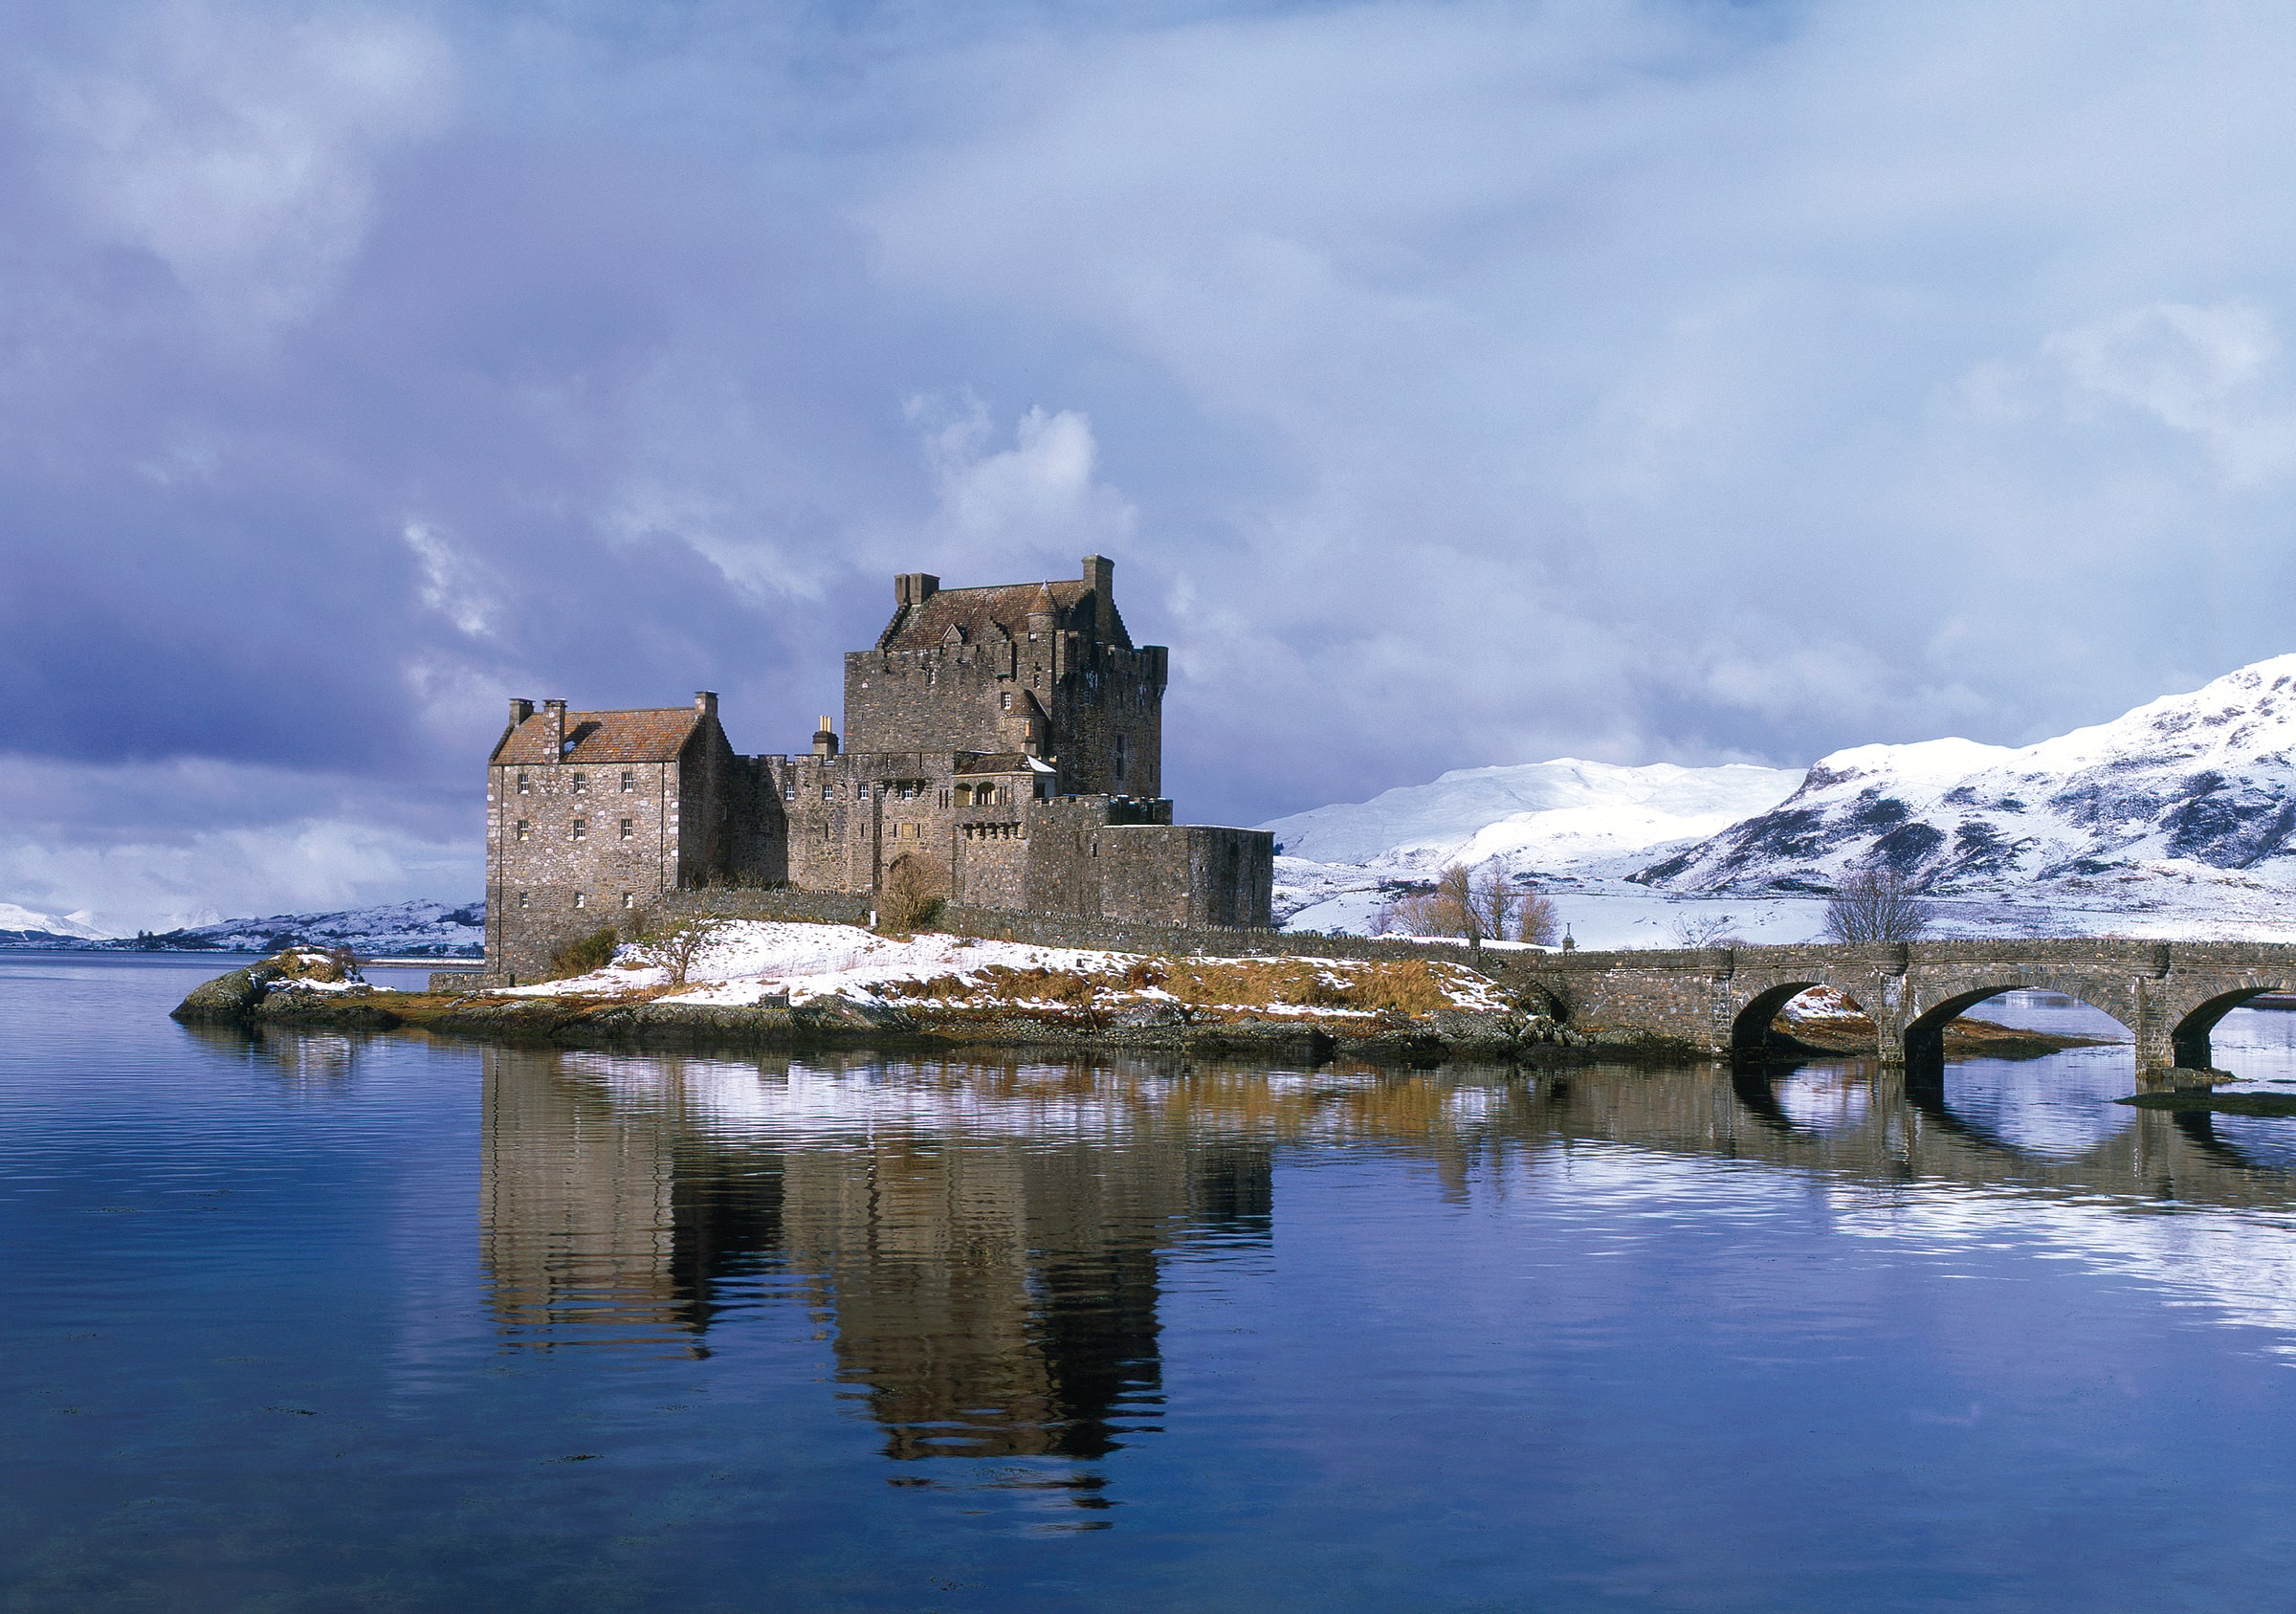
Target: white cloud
[(1042, 495), (453, 584), (236, 143)]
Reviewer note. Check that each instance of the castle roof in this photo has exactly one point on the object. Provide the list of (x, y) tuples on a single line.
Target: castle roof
[(649, 735), (986, 615), (1002, 762)]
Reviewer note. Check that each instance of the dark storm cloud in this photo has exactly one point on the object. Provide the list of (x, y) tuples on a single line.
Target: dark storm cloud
[(1455, 385)]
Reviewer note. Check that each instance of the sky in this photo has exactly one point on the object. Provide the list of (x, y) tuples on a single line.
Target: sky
[(1453, 384)]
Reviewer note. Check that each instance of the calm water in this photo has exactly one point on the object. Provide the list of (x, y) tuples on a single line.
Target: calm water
[(313, 1322)]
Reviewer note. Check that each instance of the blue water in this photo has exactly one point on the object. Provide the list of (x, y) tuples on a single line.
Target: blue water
[(315, 1323)]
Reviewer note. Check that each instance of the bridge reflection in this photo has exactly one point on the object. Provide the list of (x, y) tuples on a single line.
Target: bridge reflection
[(986, 1244)]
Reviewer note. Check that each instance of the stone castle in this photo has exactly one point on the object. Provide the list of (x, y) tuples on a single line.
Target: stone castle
[(1004, 748)]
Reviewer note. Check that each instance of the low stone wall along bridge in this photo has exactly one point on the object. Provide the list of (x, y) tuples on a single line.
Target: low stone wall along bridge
[(1721, 1000)]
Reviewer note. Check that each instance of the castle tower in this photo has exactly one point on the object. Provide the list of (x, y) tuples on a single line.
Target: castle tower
[(1041, 669)]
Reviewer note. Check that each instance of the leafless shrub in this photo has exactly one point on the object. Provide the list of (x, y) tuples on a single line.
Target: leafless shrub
[(1875, 905), (1480, 905), (676, 945), (1713, 929), (1536, 921), (908, 900)]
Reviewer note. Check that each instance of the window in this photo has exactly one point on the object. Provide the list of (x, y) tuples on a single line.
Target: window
[(581, 783), (582, 828), (828, 791), (522, 899), (627, 827), (789, 791), (861, 792), (1119, 755), (524, 788), (580, 900), (630, 899), (629, 779), (1004, 702), (520, 831)]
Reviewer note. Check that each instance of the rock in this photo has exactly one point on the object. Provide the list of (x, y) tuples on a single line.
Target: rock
[(354, 1010), (232, 997)]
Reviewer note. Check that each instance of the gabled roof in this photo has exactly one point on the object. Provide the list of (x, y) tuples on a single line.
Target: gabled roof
[(988, 616), (650, 735)]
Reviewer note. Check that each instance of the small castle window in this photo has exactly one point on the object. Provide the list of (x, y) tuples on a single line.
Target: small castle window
[(630, 780), (524, 788), (520, 831), (789, 791), (581, 783), (1119, 755), (630, 899), (626, 829), (1004, 700), (522, 899), (582, 828), (861, 792), (828, 791), (580, 900)]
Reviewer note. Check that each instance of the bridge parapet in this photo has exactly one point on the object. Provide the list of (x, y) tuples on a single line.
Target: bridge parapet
[(1720, 1001)]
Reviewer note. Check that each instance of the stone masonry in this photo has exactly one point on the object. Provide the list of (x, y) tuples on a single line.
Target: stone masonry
[(1721, 1000), (1004, 748)]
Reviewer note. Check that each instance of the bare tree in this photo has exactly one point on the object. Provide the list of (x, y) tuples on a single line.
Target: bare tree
[(1537, 922), (1875, 905), (1711, 931), (907, 900), (676, 945)]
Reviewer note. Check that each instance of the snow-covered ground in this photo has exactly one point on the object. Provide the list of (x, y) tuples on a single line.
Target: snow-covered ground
[(750, 960), (24, 927), (419, 929)]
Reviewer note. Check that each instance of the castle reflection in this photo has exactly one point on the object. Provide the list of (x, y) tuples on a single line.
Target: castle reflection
[(984, 1242), (985, 1245)]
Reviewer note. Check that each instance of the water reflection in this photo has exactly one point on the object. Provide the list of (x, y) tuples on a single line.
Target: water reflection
[(984, 1244)]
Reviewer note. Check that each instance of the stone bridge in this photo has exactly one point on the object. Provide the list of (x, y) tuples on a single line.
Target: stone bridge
[(1721, 1000)]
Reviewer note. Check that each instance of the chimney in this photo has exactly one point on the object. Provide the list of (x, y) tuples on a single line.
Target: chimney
[(705, 701), (554, 727), (519, 710), (1100, 575), (825, 739), (913, 587)]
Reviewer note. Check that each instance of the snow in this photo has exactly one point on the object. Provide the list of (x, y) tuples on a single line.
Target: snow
[(73, 927), (423, 928), (2175, 820), (751, 961)]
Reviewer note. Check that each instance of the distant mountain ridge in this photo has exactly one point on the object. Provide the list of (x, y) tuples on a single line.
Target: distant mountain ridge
[(420, 929), (2193, 790)]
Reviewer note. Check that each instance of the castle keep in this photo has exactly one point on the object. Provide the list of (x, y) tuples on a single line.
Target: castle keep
[(1003, 748)]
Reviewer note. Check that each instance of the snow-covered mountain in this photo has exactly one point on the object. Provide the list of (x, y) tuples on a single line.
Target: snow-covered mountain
[(411, 930), (2186, 802), (1559, 824), (22, 927)]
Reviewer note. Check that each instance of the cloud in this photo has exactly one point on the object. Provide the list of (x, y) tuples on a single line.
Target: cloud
[(1454, 383), (237, 145)]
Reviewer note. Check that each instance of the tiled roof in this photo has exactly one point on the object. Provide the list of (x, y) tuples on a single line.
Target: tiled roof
[(1000, 762), (652, 735), (986, 615)]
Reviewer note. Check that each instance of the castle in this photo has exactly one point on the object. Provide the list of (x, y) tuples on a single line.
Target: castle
[(1004, 748)]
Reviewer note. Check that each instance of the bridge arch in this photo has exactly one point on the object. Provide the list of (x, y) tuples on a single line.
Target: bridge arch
[(1750, 1033), (2190, 1033), (1925, 1032)]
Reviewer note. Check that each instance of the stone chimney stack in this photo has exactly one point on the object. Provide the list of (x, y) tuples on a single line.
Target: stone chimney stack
[(1100, 573), (705, 701), (519, 710), (825, 739), (913, 587), (554, 726)]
